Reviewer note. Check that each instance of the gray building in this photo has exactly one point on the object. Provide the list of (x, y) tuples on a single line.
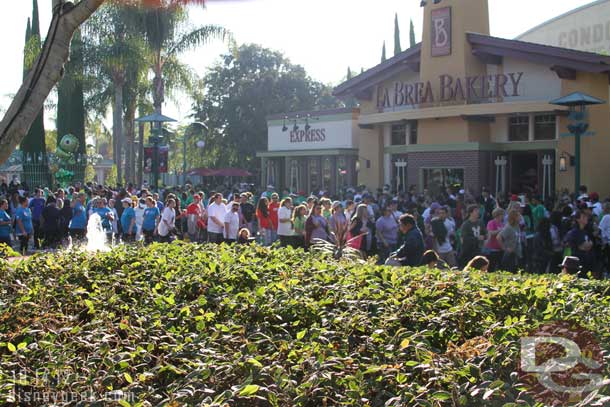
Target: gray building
[(586, 28)]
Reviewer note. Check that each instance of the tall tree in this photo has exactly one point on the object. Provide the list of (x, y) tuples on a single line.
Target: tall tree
[(168, 37), (33, 146), (383, 53), (397, 48), (25, 106), (237, 96), (412, 41), (70, 101)]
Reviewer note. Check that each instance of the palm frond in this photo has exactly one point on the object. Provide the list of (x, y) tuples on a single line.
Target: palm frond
[(200, 36)]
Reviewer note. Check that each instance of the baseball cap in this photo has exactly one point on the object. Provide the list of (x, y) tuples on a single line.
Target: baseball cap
[(126, 200)]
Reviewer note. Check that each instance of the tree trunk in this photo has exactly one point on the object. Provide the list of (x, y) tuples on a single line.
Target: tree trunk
[(130, 156), (140, 154), (44, 75), (158, 90), (117, 130)]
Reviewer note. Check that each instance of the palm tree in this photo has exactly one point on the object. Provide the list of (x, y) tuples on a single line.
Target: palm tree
[(25, 106), (116, 57), (167, 39)]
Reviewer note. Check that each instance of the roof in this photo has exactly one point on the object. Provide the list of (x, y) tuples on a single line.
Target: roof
[(156, 118), (580, 61), (577, 99), (552, 20), (403, 61), (316, 113)]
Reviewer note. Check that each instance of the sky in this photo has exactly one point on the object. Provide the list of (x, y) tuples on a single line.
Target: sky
[(324, 36)]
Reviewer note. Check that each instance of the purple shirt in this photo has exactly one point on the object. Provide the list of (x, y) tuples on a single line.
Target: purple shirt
[(388, 229)]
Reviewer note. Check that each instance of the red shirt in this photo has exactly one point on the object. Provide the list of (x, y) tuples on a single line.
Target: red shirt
[(263, 222), (273, 214), (193, 209)]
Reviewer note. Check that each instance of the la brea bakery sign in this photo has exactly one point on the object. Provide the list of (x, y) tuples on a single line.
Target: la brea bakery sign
[(449, 89)]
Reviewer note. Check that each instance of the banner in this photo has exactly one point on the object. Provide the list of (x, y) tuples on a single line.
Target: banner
[(149, 156), (163, 156)]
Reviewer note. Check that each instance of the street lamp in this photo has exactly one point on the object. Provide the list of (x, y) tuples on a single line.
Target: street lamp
[(156, 121), (200, 144), (577, 102)]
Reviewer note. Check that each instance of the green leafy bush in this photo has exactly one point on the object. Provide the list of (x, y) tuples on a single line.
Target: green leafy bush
[(194, 325)]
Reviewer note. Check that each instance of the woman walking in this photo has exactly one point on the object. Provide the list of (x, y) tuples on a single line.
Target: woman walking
[(284, 229), (298, 221), (316, 226), (361, 225), (492, 248), (150, 220)]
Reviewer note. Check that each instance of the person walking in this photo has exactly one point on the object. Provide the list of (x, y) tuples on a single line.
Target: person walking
[(580, 241), (5, 223), (298, 221), (49, 219), (492, 248), (316, 226), (150, 220), (128, 221), (510, 240), (216, 215), (387, 234), (36, 205), (285, 230), (443, 231), (264, 222), (23, 224), (473, 235), (232, 221), (167, 224), (78, 222), (274, 207), (542, 256)]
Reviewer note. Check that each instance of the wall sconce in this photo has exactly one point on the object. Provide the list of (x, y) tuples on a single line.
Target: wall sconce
[(284, 128), (563, 161), (296, 126)]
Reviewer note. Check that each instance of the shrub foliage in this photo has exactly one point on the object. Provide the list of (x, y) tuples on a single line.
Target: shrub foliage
[(250, 326)]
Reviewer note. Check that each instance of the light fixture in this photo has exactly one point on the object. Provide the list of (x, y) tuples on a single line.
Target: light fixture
[(284, 128), (307, 126), (296, 126), (423, 3), (563, 161)]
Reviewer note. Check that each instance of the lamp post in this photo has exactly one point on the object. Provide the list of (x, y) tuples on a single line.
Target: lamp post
[(200, 144), (577, 103), (156, 121)]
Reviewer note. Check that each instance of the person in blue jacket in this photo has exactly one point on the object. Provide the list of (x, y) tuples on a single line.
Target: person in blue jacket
[(128, 221), (5, 223), (412, 249)]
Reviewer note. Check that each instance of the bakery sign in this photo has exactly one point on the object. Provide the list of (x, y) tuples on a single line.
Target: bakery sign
[(449, 89)]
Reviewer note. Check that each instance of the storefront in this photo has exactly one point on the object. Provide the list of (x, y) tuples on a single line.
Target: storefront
[(312, 151), (469, 110)]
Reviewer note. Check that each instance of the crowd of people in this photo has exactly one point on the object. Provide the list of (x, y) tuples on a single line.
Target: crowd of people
[(453, 229)]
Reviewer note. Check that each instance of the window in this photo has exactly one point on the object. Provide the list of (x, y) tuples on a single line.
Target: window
[(399, 134), (436, 180), (518, 128), (413, 132), (326, 174), (544, 127), (314, 175), (294, 175)]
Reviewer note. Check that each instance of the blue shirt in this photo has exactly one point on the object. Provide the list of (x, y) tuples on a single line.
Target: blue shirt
[(5, 230), (150, 216), (128, 215), (103, 212), (25, 216), (160, 205), (79, 217), (37, 205)]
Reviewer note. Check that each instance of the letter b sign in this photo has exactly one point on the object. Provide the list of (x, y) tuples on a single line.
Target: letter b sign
[(441, 32)]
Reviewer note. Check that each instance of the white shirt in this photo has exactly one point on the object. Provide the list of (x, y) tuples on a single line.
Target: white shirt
[(597, 209), (219, 211), (446, 246), (167, 221), (604, 227), (284, 228), (232, 218)]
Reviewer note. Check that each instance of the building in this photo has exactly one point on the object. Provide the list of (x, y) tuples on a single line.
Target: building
[(313, 151), (586, 28), (468, 110)]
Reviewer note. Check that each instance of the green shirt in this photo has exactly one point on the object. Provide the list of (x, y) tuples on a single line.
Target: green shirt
[(299, 225)]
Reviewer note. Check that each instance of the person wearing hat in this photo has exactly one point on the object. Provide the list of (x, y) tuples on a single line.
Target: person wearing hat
[(570, 265), (128, 221)]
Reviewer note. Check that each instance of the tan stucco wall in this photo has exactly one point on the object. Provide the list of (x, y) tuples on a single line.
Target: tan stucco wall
[(371, 148), (595, 150)]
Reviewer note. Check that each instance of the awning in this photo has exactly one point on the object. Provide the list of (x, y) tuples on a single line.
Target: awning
[(220, 172)]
